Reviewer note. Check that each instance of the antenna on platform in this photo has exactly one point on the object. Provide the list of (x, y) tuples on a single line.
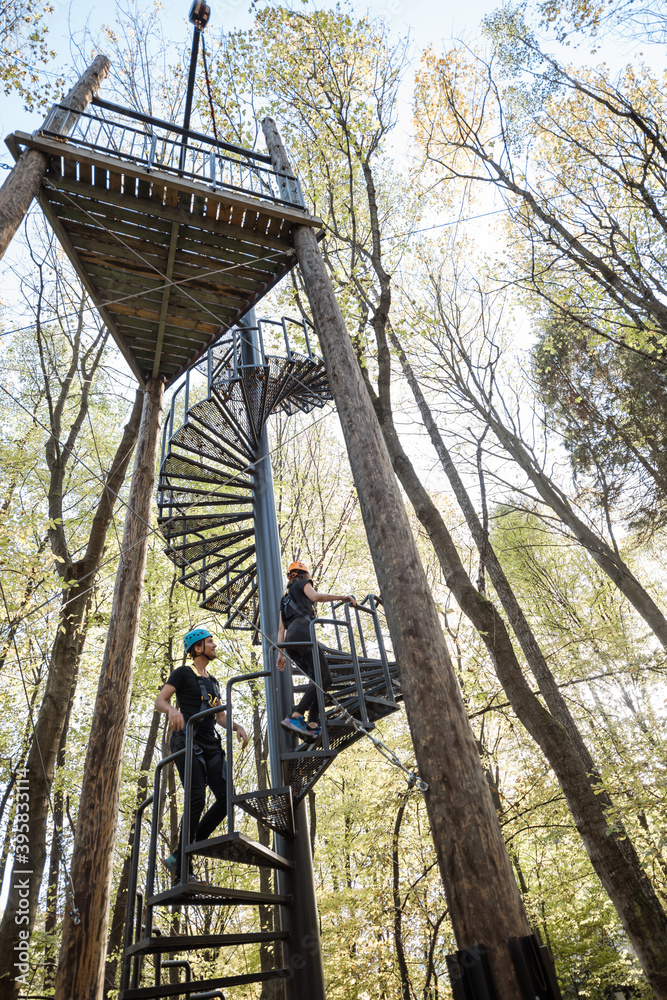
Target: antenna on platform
[(199, 16)]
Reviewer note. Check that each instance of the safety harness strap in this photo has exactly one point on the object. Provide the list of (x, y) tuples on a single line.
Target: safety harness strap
[(210, 700)]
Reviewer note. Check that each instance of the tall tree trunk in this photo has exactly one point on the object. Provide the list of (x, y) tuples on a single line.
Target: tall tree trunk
[(25, 179), (55, 859), (63, 666), (611, 852), (485, 904), (520, 626), (83, 949), (8, 801), (604, 555)]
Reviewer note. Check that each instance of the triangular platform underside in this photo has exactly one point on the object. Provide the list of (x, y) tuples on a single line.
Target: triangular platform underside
[(169, 263)]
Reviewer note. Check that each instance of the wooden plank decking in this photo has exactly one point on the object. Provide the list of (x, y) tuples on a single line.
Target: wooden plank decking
[(170, 263)]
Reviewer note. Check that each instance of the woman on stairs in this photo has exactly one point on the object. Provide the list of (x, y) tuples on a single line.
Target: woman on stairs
[(296, 613)]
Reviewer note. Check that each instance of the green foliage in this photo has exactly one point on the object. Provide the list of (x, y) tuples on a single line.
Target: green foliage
[(607, 403), (330, 78), (24, 51)]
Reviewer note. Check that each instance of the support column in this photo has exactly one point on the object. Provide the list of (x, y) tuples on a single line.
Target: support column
[(484, 900), (301, 917), (23, 182), (83, 950)]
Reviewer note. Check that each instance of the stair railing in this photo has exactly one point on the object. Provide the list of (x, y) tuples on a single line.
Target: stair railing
[(372, 606), (230, 740), (354, 628), (211, 369), (134, 898), (155, 829), (187, 782)]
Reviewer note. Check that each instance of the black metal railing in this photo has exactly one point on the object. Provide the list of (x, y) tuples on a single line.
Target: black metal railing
[(346, 636), (224, 361), (158, 145)]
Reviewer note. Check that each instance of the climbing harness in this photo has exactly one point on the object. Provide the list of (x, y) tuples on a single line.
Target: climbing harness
[(210, 700), (287, 601)]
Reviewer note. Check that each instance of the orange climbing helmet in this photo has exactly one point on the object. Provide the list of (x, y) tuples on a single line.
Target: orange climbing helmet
[(295, 568)]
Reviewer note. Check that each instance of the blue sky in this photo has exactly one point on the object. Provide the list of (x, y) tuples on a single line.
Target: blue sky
[(428, 22)]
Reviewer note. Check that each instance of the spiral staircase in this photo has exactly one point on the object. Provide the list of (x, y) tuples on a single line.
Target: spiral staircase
[(211, 442)]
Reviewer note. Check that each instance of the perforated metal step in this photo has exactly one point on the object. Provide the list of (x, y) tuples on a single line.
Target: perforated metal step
[(305, 766), (211, 895), (199, 985), (273, 807), (190, 942), (241, 849)]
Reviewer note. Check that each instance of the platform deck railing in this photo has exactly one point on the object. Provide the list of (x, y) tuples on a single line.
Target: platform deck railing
[(158, 145)]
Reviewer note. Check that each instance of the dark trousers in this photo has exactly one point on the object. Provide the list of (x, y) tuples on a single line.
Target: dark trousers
[(303, 657), (208, 771)]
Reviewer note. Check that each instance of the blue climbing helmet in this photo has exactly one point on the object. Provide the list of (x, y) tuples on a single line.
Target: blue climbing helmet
[(195, 635)]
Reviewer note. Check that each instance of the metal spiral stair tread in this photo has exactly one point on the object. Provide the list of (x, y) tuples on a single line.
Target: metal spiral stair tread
[(208, 524), (205, 500)]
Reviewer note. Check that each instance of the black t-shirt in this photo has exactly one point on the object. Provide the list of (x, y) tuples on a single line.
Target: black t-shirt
[(295, 606), (188, 693)]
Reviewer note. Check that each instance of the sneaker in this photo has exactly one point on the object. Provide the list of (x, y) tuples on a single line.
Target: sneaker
[(194, 880), (299, 727)]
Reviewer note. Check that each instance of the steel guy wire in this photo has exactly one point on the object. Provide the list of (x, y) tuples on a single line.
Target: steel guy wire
[(223, 324), (74, 911)]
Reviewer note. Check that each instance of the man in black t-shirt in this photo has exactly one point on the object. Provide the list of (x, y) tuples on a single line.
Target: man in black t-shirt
[(195, 690), (296, 613)]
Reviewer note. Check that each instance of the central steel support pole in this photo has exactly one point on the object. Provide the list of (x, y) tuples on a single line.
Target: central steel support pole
[(302, 919), (189, 95)]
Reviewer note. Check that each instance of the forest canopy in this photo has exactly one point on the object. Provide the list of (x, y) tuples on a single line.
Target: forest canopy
[(503, 286)]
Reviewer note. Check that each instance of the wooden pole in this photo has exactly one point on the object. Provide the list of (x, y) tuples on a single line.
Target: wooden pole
[(484, 900), (83, 948), (22, 183)]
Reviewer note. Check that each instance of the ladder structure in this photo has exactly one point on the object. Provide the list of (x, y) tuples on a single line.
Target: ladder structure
[(212, 444)]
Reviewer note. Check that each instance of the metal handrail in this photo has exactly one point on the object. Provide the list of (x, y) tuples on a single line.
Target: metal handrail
[(187, 782), (208, 368), (163, 146), (132, 894), (230, 739), (187, 132), (155, 829), (354, 659)]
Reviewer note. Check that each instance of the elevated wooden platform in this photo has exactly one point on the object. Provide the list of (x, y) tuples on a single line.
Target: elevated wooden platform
[(170, 262)]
